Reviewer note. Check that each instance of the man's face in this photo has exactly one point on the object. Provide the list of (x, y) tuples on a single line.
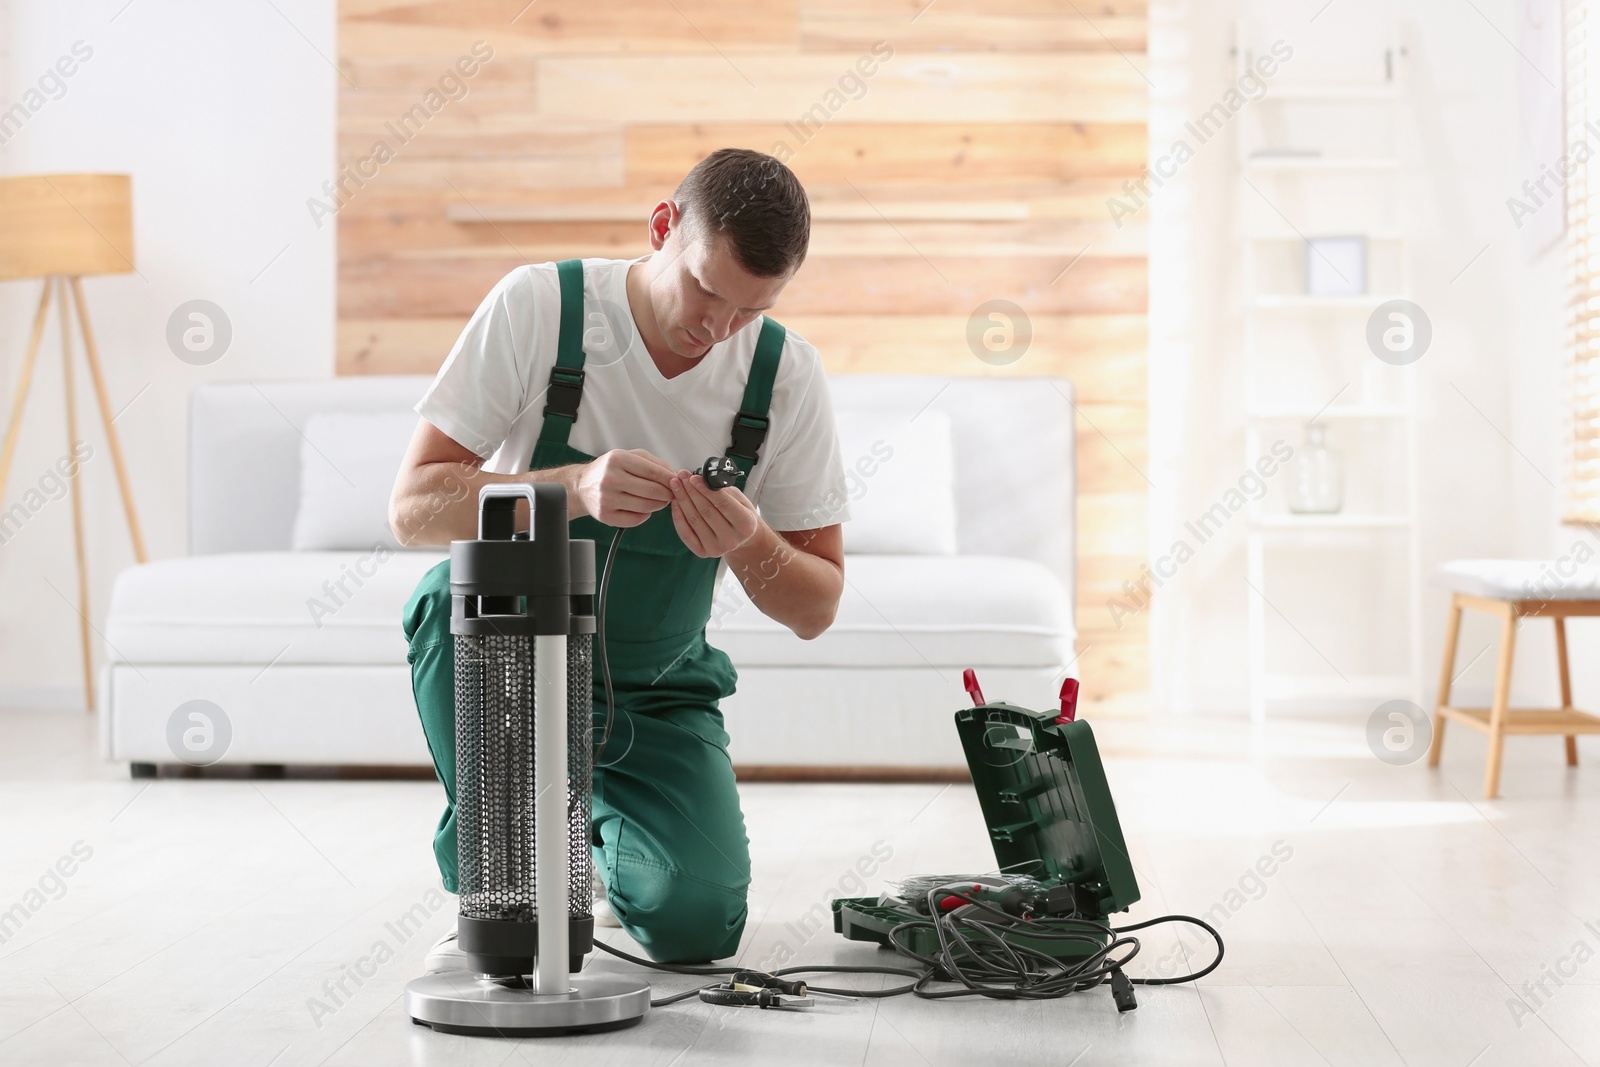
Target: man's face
[(699, 291)]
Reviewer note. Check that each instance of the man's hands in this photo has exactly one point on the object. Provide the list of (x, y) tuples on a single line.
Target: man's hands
[(625, 487), (712, 522), (795, 577)]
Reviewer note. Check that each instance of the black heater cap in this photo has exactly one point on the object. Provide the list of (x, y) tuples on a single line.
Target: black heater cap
[(501, 584)]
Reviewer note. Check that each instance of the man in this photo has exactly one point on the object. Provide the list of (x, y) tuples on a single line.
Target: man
[(615, 379)]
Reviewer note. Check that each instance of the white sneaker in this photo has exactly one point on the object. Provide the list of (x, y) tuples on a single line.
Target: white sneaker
[(446, 955), (601, 908)]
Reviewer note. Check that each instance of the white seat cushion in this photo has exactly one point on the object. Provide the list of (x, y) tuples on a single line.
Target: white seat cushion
[(914, 611), (348, 461), (286, 607), (1516, 579), (266, 607), (900, 471)]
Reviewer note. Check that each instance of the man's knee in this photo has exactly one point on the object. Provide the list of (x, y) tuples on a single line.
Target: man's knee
[(678, 918), (426, 616)]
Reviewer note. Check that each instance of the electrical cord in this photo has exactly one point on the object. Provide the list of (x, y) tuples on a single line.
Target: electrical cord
[(673, 968), (1207, 927), (976, 954), (605, 660)]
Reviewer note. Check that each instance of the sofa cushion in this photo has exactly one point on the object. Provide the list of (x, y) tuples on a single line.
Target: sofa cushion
[(900, 469), (914, 611), (348, 461), (266, 607)]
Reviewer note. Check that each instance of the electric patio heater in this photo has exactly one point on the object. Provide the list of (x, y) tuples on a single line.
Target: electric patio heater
[(522, 618)]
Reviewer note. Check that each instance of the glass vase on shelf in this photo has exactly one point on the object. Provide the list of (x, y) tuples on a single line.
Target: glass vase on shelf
[(1316, 475)]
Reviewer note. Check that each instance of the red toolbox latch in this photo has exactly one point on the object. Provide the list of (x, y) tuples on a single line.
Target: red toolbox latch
[(969, 678), (1069, 701)]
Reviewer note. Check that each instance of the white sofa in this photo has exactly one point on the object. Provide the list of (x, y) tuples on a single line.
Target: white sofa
[(230, 623)]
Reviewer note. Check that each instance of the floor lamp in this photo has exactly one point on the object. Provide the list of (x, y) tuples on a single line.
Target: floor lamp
[(59, 227)]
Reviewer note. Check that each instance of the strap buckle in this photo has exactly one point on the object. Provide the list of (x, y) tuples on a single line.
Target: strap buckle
[(565, 392), (749, 431)]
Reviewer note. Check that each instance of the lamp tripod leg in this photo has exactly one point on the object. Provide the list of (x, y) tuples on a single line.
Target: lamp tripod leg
[(92, 353), (17, 402), (77, 494)]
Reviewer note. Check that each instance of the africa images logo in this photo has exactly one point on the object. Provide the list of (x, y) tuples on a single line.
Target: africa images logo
[(199, 733)]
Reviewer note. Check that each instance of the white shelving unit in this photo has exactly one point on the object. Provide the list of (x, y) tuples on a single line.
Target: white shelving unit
[(1370, 399)]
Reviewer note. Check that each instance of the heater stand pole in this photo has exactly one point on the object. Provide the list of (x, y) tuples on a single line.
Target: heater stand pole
[(550, 845)]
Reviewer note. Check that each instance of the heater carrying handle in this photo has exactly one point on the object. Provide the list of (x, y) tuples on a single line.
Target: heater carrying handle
[(511, 582), (547, 504)]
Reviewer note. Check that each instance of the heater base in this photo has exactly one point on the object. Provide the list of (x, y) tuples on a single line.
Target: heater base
[(458, 1002)]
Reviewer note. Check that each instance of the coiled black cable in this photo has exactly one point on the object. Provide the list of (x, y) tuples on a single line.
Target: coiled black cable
[(977, 955)]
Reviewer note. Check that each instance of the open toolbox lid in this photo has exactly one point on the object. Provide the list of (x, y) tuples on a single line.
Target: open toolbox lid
[(1046, 802)]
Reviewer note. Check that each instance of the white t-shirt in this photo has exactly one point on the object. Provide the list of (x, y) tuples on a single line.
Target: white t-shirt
[(489, 396)]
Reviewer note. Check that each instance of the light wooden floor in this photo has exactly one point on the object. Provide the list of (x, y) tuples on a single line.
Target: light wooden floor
[(211, 914)]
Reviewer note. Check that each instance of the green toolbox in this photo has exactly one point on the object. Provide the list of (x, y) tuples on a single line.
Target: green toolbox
[(1052, 822)]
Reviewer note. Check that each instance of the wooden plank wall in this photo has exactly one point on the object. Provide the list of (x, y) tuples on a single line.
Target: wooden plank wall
[(974, 163)]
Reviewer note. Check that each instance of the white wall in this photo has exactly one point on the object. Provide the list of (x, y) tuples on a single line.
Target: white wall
[(224, 116), (1496, 341)]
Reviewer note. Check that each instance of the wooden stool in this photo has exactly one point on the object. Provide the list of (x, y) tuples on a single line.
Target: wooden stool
[(1513, 590)]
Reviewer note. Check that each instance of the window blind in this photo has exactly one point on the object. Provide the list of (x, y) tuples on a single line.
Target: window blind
[(1581, 95)]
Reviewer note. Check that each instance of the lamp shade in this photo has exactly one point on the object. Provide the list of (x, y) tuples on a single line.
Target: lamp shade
[(66, 224)]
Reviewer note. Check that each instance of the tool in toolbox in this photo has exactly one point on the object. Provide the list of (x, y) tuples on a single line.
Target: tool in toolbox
[(1052, 824), (758, 989)]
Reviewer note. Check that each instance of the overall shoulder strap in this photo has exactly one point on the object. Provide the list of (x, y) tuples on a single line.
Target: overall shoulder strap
[(566, 377), (750, 424)]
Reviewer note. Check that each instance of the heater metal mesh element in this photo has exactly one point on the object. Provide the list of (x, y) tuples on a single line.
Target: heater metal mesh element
[(580, 773), (495, 793)]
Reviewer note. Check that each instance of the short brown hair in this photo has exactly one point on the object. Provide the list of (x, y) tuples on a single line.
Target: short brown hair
[(753, 200)]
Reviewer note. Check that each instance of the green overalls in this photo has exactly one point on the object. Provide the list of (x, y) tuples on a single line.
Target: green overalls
[(669, 836)]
